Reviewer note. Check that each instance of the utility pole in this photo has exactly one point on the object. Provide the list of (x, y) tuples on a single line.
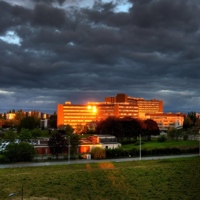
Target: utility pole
[(140, 147), (69, 149)]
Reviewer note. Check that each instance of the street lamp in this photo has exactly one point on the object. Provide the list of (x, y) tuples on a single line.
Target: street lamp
[(140, 147), (69, 149)]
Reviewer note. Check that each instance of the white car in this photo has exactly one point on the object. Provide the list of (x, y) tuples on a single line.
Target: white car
[(3, 146)]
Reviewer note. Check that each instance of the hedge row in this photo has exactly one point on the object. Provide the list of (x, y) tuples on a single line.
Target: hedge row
[(114, 153)]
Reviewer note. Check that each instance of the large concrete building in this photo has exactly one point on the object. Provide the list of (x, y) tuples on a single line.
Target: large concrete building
[(144, 106), (120, 106)]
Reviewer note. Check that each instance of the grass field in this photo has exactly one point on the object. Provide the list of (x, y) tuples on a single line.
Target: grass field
[(168, 144), (173, 179)]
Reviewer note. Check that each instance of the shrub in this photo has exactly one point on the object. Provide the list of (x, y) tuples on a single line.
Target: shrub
[(162, 138), (134, 152), (185, 137), (98, 153), (175, 150), (2, 158), (20, 152)]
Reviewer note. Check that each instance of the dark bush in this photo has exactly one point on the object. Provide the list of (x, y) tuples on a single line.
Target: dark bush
[(134, 152), (162, 138), (2, 158), (185, 137), (114, 153), (20, 152), (175, 151)]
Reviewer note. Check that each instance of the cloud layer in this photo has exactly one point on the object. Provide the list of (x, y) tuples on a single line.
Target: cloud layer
[(63, 50)]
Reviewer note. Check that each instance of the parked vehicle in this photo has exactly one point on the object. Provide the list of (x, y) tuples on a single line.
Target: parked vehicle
[(3, 146)]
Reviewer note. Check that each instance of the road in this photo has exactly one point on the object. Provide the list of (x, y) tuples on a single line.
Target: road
[(37, 164)]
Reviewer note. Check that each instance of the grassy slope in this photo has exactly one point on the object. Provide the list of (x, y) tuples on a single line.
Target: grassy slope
[(142, 180)]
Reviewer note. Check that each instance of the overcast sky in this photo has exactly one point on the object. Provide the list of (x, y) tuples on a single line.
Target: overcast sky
[(52, 51)]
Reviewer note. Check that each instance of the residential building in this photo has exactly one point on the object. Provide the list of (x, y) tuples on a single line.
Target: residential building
[(10, 116), (44, 123), (198, 115), (103, 141), (166, 120), (37, 114)]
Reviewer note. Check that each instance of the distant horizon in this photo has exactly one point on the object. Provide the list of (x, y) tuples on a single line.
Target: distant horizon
[(51, 111), (46, 111)]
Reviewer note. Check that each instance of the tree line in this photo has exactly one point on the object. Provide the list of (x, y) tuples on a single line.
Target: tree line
[(191, 128), (128, 129)]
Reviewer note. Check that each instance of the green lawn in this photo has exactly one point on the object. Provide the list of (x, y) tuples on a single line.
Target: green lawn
[(168, 144), (173, 179)]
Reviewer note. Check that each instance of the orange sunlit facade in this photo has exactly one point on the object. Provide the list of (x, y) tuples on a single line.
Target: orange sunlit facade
[(166, 120), (119, 106), (75, 114), (144, 106)]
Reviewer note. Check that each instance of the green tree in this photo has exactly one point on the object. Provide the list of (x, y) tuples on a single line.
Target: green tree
[(29, 123), (98, 153), (151, 128), (57, 144), (171, 133), (19, 116), (178, 133), (187, 123), (111, 126), (25, 134), (193, 117), (69, 130), (65, 129), (10, 135), (36, 132), (53, 121), (73, 140), (20, 152), (2, 135), (162, 138), (47, 133)]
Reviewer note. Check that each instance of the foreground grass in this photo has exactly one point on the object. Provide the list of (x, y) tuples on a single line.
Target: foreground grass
[(137, 180), (168, 144)]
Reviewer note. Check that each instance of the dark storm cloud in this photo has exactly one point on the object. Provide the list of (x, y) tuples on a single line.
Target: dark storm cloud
[(72, 53), (50, 1), (48, 16)]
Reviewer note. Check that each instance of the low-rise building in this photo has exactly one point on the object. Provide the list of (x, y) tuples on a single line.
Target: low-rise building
[(103, 141), (166, 120)]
